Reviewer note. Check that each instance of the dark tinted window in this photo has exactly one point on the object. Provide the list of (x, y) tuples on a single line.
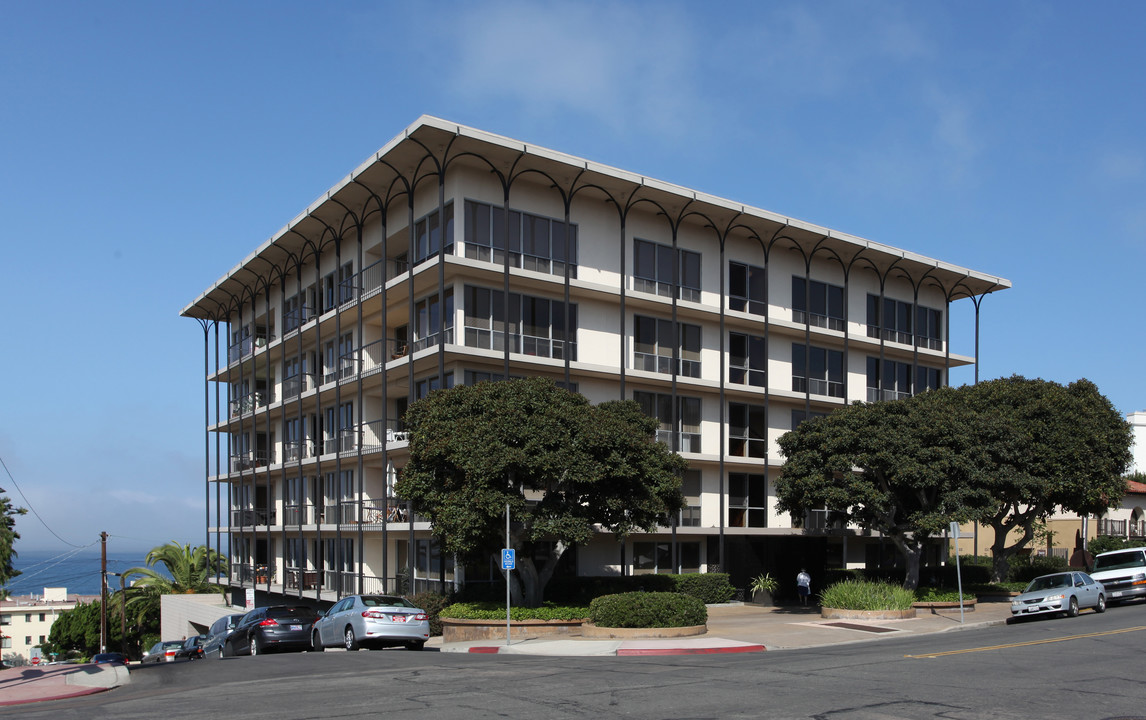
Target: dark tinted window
[(290, 612)]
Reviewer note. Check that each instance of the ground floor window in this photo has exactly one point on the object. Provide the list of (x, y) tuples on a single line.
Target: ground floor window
[(656, 557)]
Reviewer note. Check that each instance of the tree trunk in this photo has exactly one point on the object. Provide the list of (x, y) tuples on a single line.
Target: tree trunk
[(1001, 553), (912, 552)]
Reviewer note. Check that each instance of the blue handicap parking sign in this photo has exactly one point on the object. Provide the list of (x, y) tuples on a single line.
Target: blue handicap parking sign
[(508, 559)]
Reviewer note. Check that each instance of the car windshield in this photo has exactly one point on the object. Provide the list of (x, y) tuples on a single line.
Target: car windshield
[(1118, 561), (168, 644), (385, 601), (1049, 582)]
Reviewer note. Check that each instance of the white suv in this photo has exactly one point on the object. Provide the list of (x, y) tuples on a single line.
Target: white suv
[(1122, 572)]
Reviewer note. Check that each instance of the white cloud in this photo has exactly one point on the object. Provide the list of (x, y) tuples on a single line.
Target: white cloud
[(623, 67)]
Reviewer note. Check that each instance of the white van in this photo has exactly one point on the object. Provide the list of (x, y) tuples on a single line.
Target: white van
[(1122, 573)]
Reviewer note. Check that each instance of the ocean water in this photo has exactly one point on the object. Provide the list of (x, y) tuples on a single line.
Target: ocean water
[(78, 572)]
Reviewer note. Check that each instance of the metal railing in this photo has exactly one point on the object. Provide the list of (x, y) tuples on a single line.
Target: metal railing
[(689, 441), (247, 346), (293, 451), (247, 404), (818, 320), (651, 362), (247, 517), (249, 461), (294, 319), (1108, 526), (433, 339), (816, 386), (875, 394)]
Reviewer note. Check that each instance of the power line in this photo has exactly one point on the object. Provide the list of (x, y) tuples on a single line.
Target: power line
[(33, 510)]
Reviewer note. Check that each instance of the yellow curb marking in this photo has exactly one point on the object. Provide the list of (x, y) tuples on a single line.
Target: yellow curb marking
[(1024, 644)]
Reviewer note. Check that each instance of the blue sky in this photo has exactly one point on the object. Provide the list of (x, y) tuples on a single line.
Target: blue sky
[(147, 147)]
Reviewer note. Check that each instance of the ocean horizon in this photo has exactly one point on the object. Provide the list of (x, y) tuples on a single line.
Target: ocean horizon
[(78, 572)]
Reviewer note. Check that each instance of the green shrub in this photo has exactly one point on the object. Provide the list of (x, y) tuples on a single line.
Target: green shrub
[(1023, 569), (709, 588), (432, 603), (647, 610), (866, 595), (995, 588), (931, 594), (491, 610), (1106, 543)]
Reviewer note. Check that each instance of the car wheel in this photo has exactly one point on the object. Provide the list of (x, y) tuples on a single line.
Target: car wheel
[(1072, 611), (316, 642), (254, 645), (225, 650), (349, 640), (415, 645), (1101, 606)]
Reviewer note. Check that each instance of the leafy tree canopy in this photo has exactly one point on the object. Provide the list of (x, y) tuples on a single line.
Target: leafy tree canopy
[(1058, 447), (8, 538), (563, 465), (905, 468), (1007, 452)]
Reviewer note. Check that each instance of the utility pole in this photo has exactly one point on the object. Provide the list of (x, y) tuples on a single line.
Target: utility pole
[(103, 592)]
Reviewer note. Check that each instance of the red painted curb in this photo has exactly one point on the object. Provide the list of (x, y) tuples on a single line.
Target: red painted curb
[(485, 650), (691, 651), (48, 698)]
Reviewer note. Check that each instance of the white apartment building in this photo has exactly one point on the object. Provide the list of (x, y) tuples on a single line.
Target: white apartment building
[(26, 620), (454, 255)]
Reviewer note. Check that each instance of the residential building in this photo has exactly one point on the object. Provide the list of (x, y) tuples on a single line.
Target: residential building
[(454, 256), (26, 620)]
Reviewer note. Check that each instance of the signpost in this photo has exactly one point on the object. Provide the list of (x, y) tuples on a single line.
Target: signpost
[(958, 572), (508, 563)]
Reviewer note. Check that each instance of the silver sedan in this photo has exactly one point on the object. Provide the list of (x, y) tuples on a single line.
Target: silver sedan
[(371, 621), (1065, 592)]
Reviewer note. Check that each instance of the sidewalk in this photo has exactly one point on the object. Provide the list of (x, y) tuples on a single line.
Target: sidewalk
[(739, 627), (56, 682)]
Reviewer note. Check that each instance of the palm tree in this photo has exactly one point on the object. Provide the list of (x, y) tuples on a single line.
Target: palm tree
[(190, 570)]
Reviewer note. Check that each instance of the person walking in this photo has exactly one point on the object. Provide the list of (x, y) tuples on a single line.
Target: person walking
[(804, 586)]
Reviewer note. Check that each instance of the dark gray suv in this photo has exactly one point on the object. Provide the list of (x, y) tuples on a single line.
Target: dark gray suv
[(217, 635), (270, 629)]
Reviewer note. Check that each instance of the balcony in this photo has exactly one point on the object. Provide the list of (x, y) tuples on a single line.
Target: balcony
[(818, 320), (1122, 528), (816, 386), (664, 364), (249, 517), (247, 404), (247, 347), (875, 394), (249, 461), (689, 441), (433, 339), (295, 451)]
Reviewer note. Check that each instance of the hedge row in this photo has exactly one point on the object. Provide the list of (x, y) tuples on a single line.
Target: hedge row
[(647, 610), (491, 610), (710, 588)]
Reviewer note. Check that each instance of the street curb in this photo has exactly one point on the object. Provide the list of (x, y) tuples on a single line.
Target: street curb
[(62, 696), (690, 651)]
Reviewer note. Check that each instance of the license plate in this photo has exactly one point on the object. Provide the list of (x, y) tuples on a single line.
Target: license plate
[(398, 618), (1116, 593), (1031, 609), (296, 627)]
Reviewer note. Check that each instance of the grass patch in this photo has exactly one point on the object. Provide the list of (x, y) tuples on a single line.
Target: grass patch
[(867, 595)]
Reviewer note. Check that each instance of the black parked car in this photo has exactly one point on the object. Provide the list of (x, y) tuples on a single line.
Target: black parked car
[(217, 636), (192, 648), (268, 629)]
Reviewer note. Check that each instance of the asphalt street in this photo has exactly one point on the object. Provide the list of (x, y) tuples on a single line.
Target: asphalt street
[(1085, 667)]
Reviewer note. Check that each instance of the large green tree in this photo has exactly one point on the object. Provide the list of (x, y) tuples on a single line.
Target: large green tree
[(8, 538), (904, 468), (564, 466), (1057, 448)]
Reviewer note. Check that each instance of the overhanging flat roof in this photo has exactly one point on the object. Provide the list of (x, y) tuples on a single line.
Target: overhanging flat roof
[(408, 152)]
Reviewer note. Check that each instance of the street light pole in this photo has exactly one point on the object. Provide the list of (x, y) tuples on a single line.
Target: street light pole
[(103, 593)]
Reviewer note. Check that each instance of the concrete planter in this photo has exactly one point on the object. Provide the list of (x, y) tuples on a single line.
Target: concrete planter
[(937, 607), (840, 614), (470, 630), (589, 630)]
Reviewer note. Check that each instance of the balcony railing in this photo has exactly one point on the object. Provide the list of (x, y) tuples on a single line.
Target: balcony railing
[(249, 460), (247, 346), (816, 386), (433, 339), (689, 441), (294, 451), (817, 320), (875, 394), (294, 319), (296, 385), (242, 572), (247, 403), (651, 362), (248, 517)]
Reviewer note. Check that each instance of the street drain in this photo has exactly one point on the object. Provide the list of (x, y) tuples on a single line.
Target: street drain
[(865, 628)]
